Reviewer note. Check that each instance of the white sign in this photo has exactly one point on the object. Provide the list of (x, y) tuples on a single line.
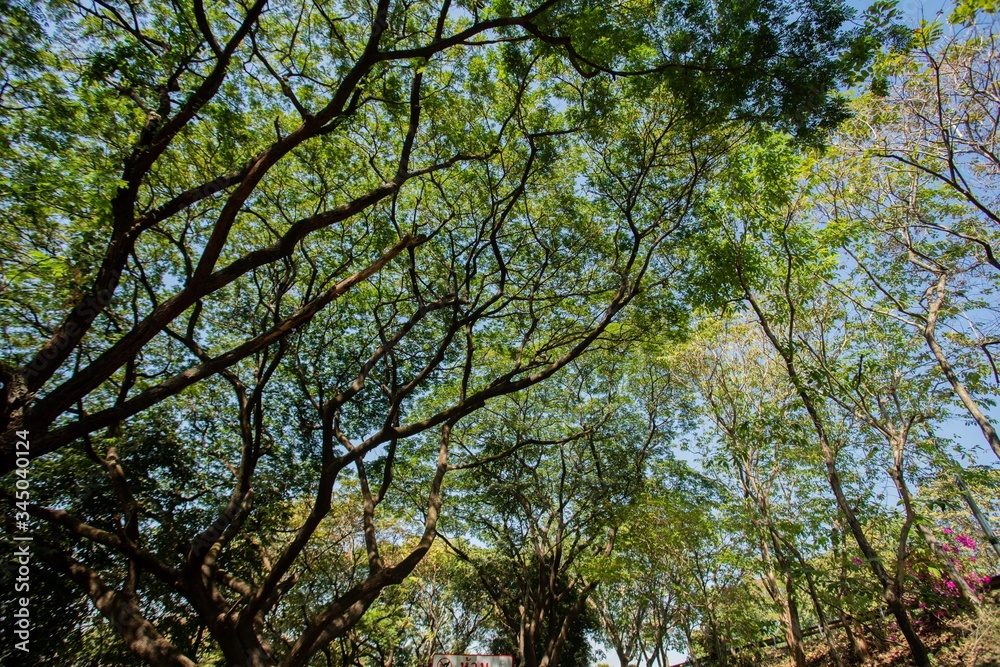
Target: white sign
[(471, 660)]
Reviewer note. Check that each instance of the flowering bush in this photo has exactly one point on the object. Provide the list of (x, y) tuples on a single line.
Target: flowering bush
[(935, 593), (966, 542)]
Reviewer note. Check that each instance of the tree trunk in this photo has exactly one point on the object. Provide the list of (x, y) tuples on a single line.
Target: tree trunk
[(978, 514), (690, 646), (793, 633), (553, 649), (856, 637), (917, 647), (789, 615), (818, 608), (956, 384)]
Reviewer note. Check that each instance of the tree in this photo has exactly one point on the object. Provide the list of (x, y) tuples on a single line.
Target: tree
[(932, 137), (251, 248), (747, 399), (545, 519), (778, 264), (429, 612), (654, 596)]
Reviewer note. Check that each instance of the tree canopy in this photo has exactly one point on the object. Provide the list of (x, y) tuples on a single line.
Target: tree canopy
[(343, 333)]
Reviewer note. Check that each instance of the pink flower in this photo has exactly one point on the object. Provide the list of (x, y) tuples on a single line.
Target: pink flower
[(856, 561), (947, 531), (966, 541), (950, 585)]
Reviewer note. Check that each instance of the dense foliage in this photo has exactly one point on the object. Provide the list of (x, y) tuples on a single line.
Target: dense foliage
[(345, 333)]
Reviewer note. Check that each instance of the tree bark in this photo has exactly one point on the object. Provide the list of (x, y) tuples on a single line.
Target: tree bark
[(859, 647)]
